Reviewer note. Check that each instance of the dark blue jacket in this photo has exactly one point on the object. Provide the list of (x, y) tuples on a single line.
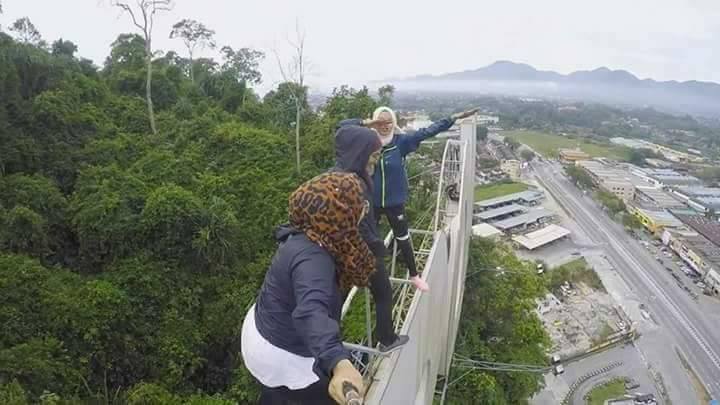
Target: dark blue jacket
[(353, 146), (390, 178), (299, 305)]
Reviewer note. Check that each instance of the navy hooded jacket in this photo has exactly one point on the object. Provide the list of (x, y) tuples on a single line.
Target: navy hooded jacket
[(299, 305), (390, 178), (353, 147)]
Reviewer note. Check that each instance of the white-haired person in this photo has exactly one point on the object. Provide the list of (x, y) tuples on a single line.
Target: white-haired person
[(390, 181)]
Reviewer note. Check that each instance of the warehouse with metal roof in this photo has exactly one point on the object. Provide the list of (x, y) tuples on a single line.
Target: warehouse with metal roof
[(499, 213), (655, 220), (651, 197), (520, 222), (541, 237), (528, 197), (485, 231)]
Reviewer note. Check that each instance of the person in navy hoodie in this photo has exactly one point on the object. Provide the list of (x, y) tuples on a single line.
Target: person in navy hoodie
[(291, 340), (390, 178), (357, 151)]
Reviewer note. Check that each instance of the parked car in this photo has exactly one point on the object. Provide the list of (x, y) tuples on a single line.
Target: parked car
[(631, 385), (559, 369), (645, 399)]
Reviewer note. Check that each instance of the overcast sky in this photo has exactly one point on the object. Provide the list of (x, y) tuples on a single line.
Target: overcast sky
[(358, 41)]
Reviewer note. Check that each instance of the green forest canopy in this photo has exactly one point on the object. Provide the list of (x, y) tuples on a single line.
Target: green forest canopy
[(128, 260)]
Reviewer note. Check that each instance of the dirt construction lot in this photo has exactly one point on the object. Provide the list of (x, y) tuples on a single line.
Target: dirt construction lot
[(581, 318)]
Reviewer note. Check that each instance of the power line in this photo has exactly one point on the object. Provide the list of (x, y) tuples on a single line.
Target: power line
[(468, 363), (500, 367), (499, 270)]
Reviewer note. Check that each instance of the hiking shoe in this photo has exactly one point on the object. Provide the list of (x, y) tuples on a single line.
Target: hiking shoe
[(397, 344)]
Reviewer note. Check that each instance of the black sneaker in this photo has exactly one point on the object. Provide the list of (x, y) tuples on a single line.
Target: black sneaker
[(397, 344)]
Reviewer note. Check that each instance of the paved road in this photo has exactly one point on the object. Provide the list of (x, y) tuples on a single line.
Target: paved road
[(694, 333), (632, 366)]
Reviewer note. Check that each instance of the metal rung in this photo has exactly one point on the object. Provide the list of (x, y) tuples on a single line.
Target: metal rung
[(348, 302), (421, 232), (364, 349), (400, 280)]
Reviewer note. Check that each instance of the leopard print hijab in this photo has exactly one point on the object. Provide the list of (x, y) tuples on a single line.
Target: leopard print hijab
[(328, 210)]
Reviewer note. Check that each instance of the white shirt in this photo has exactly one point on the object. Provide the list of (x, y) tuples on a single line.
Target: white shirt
[(271, 365)]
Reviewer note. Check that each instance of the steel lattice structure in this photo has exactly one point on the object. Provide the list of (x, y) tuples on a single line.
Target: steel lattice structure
[(409, 376)]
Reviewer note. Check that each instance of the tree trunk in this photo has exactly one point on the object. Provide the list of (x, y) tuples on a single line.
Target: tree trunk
[(192, 70), (148, 88), (297, 136)]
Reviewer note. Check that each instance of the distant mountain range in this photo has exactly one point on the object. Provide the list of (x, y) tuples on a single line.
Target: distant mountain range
[(602, 85)]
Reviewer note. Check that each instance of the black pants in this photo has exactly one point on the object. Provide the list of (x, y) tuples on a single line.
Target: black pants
[(381, 291), (401, 232), (314, 394)]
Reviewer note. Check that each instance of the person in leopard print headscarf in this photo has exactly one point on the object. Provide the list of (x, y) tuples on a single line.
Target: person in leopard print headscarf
[(322, 208), (291, 341)]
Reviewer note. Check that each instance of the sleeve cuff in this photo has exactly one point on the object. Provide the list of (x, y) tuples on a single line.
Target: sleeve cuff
[(328, 365)]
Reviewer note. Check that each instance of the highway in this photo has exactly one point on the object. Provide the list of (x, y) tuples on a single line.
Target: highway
[(678, 314)]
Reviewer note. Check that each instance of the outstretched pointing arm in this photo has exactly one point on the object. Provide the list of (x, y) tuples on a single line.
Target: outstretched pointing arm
[(368, 122), (411, 142)]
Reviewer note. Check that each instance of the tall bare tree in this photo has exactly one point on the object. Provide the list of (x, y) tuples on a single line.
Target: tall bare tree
[(25, 31), (142, 13), (294, 72), (195, 35)]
